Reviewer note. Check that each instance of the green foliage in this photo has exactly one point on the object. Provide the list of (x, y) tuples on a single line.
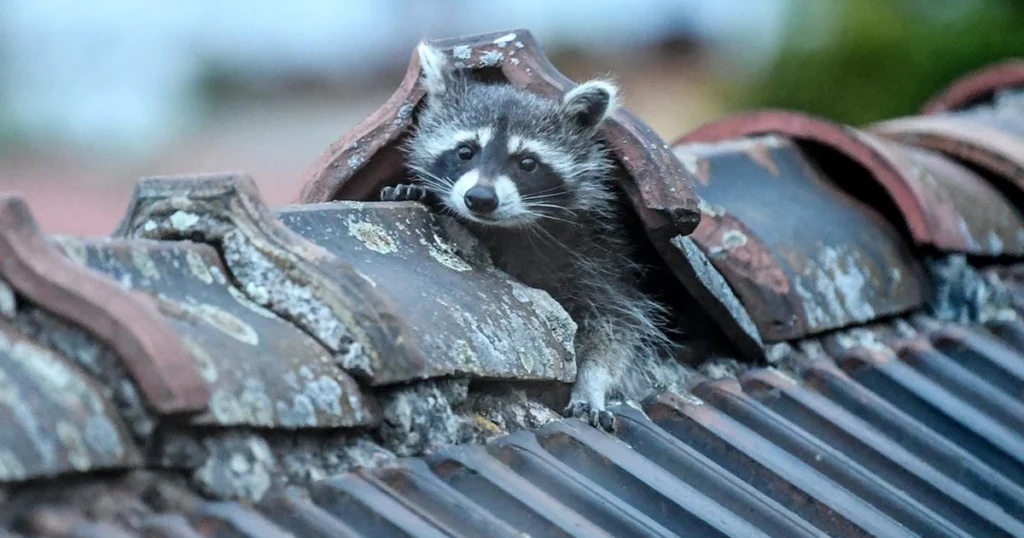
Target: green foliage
[(876, 59)]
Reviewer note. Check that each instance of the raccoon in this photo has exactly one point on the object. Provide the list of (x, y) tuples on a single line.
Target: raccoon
[(533, 180)]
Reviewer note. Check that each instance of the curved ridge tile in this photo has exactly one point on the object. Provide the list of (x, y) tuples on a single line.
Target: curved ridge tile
[(988, 134), (359, 164), (278, 269), (53, 418), (942, 204), (758, 196), (127, 322), (366, 280), (976, 86), (986, 147)]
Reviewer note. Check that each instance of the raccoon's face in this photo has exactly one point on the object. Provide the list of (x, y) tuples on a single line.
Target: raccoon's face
[(497, 155)]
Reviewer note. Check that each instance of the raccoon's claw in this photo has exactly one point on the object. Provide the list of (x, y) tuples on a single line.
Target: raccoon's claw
[(598, 418), (403, 193)]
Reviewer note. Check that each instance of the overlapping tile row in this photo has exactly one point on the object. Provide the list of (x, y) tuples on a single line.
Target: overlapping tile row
[(218, 368), (978, 120), (207, 312), (887, 430)]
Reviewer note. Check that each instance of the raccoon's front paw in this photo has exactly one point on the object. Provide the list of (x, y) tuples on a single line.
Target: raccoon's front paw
[(598, 418), (403, 193)]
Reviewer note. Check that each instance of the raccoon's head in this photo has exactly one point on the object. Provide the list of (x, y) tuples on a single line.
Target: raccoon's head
[(498, 155)]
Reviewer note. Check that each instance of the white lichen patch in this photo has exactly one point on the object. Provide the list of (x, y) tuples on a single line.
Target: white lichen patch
[(491, 58), (464, 354), (266, 285), (445, 254), (367, 278), (84, 433), (244, 301), (503, 40), (690, 398), (145, 264), (995, 243), (508, 341), (222, 320), (372, 236), (709, 209), (8, 302), (835, 289), (72, 247), (11, 468), (249, 404), (554, 316), (862, 338), (206, 366), (183, 221), (730, 239), (462, 52), (198, 267), (238, 467)]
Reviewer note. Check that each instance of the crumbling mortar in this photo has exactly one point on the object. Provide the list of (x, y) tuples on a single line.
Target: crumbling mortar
[(961, 293), (245, 464)]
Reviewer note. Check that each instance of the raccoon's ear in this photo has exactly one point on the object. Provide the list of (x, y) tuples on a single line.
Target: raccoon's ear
[(590, 103), (437, 73)]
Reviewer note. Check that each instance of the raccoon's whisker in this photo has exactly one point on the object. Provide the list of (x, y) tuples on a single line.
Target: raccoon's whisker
[(426, 176), (547, 193), (434, 184), (551, 217), (531, 205)]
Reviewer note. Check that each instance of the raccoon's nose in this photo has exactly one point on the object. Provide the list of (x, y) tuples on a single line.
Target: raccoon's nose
[(481, 199)]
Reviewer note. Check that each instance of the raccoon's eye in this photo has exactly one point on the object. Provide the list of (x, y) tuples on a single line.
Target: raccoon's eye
[(465, 152), (527, 164)]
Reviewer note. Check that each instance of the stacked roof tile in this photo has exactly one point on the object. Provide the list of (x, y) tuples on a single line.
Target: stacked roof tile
[(344, 368)]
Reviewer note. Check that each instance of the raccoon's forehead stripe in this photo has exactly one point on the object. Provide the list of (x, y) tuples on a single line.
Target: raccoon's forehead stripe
[(561, 163), (446, 140)]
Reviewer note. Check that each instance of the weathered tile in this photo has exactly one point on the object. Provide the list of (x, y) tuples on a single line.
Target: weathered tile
[(261, 370), (467, 318), (53, 418)]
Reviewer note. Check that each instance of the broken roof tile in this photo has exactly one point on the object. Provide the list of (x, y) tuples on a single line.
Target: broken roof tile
[(127, 322), (368, 157), (801, 255), (261, 370)]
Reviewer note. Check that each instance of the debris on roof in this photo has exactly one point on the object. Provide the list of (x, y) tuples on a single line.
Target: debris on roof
[(343, 367)]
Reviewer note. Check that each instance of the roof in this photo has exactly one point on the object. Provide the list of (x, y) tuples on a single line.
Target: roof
[(351, 368)]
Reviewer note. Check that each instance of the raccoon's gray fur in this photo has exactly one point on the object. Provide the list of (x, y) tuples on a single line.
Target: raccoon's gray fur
[(533, 180)]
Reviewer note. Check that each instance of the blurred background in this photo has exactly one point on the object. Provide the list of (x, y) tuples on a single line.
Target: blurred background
[(95, 94)]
